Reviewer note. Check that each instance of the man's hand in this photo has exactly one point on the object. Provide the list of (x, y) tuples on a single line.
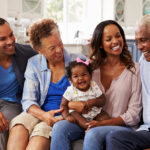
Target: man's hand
[(3, 123), (49, 117)]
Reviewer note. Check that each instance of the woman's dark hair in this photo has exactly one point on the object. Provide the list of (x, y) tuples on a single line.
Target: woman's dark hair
[(98, 54), (73, 64)]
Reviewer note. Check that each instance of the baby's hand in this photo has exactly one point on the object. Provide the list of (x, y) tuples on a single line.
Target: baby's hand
[(70, 118)]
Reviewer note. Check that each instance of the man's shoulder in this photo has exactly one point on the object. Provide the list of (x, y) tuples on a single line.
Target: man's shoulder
[(25, 50), (142, 59)]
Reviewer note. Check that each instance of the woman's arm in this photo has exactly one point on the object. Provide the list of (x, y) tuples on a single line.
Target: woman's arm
[(132, 115), (110, 122), (76, 105), (99, 102), (84, 107), (47, 117), (99, 99)]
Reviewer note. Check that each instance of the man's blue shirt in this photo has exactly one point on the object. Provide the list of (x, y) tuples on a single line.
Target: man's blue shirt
[(9, 85)]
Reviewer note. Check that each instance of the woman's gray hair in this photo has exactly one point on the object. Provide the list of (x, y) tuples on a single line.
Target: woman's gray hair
[(41, 29)]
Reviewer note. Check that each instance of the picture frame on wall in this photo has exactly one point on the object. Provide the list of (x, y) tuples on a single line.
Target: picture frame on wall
[(32, 8), (120, 10), (146, 7)]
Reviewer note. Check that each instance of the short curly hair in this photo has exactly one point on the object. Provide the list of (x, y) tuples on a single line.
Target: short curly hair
[(41, 29)]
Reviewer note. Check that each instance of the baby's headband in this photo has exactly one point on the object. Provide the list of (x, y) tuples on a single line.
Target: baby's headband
[(86, 62)]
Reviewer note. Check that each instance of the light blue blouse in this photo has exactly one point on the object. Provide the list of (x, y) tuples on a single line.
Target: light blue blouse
[(37, 79)]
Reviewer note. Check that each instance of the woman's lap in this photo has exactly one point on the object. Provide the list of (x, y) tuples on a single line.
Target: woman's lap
[(34, 126), (64, 133), (95, 138)]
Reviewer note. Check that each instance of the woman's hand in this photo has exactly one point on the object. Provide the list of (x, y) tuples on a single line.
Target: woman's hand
[(49, 117), (76, 105), (109, 122), (92, 124), (79, 106), (95, 123)]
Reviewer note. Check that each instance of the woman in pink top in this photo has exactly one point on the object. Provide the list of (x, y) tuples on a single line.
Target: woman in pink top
[(119, 79)]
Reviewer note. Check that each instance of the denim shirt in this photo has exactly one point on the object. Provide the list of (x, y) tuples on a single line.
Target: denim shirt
[(37, 79)]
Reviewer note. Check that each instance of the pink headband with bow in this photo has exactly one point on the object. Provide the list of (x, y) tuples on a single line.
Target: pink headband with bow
[(82, 61)]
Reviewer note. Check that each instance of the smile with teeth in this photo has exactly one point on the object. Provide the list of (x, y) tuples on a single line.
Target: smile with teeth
[(81, 83), (116, 48), (146, 52), (9, 47)]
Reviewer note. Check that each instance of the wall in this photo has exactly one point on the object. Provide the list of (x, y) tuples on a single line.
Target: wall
[(108, 9), (14, 8), (3, 8), (133, 11)]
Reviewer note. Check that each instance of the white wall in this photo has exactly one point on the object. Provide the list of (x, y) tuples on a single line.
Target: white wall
[(92, 15), (3, 8), (107, 9), (133, 12), (14, 8)]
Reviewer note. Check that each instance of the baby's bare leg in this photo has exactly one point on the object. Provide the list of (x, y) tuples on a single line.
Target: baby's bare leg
[(102, 116), (80, 119)]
